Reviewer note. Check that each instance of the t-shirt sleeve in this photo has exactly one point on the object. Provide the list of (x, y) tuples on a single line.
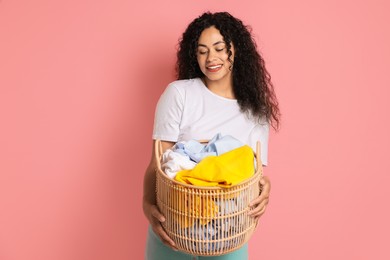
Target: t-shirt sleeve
[(168, 115), (260, 133)]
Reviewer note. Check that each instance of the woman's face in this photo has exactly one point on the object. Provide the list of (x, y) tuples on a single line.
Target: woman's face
[(212, 55)]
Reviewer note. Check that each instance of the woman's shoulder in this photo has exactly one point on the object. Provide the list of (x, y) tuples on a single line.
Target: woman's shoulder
[(184, 85), (181, 89)]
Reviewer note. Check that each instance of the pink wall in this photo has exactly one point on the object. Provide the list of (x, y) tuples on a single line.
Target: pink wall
[(79, 82)]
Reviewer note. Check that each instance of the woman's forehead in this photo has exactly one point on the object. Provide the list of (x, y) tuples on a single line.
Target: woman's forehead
[(210, 36)]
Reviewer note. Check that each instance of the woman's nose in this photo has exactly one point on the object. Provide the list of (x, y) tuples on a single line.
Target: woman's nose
[(211, 56)]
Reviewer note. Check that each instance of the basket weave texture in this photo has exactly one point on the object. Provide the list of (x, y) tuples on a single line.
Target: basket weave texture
[(207, 221)]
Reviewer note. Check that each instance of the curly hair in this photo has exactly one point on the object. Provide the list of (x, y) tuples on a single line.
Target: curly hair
[(252, 85)]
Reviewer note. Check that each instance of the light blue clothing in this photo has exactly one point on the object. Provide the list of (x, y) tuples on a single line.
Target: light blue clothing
[(193, 150), (222, 144), (156, 250), (216, 146)]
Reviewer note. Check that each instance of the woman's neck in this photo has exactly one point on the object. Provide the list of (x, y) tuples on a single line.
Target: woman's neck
[(222, 87)]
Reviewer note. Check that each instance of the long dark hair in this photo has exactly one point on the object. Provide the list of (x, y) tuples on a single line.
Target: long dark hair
[(251, 81)]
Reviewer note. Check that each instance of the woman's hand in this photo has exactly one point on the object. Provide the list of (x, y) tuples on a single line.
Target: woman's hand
[(151, 211), (259, 204), (155, 218)]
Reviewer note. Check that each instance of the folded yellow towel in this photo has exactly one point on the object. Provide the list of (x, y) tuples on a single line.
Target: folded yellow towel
[(224, 170)]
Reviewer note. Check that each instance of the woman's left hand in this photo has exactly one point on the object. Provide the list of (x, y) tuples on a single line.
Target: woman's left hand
[(259, 204)]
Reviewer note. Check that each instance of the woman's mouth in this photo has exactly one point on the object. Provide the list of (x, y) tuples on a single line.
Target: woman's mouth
[(214, 68)]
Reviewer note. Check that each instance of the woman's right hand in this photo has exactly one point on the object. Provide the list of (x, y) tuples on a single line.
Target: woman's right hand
[(155, 218), (150, 208)]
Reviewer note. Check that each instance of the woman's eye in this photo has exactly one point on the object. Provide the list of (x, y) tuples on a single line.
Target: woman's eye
[(218, 50), (202, 52)]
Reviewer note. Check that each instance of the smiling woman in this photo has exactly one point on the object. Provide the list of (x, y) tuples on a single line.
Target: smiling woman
[(222, 87)]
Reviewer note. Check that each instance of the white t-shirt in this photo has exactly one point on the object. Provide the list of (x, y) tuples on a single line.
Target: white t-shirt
[(189, 110)]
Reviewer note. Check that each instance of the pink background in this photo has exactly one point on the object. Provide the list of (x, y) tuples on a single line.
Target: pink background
[(79, 82)]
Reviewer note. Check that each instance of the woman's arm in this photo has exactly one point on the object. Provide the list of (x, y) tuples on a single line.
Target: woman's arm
[(149, 204)]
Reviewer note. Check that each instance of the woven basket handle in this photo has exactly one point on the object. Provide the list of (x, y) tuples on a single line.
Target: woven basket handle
[(158, 152), (258, 156)]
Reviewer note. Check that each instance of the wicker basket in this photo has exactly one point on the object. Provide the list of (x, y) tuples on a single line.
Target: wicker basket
[(207, 221)]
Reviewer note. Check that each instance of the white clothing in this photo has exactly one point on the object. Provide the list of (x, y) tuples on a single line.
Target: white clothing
[(173, 162), (189, 110)]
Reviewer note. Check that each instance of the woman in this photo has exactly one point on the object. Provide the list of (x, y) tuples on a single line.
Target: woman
[(222, 87)]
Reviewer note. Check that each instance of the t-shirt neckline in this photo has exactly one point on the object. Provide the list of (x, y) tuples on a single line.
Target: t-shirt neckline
[(212, 93)]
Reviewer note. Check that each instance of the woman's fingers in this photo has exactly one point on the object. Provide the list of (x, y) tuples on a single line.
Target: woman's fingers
[(265, 191), (255, 202), (265, 188), (259, 210), (157, 214), (160, 232), (260, 214), (157, 218), (262, 200)]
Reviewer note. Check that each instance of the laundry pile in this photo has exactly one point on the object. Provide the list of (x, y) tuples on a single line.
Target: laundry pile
[(222, 162)]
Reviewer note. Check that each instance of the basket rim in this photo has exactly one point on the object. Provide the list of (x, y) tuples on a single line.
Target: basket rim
[(258, 172)]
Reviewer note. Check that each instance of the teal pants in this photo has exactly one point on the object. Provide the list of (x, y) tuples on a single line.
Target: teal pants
[(156, 250)]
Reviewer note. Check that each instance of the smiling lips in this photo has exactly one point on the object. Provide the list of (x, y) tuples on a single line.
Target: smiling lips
[(214, 68)]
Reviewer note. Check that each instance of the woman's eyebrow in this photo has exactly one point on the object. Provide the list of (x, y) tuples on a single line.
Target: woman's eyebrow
[(204, 45)]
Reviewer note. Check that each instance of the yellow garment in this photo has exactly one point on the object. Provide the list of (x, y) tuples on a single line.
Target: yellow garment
[(224, 170), (194, 207)]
